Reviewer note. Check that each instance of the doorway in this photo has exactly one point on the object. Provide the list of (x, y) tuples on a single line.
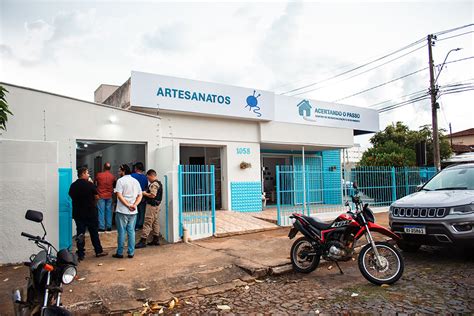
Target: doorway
[(93, 154), (269, 180), (198, 155)]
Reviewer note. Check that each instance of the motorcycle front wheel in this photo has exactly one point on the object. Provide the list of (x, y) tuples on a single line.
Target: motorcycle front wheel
[(390, 268), (304, 257)]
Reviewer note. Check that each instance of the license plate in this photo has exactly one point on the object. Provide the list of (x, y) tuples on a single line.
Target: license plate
[(418, 230)]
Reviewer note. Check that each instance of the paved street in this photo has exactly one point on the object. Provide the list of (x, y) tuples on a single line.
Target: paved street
[(236, 271), (435, 282)]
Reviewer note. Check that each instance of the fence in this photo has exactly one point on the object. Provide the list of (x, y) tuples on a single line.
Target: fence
[(196, 192), (314, 191)]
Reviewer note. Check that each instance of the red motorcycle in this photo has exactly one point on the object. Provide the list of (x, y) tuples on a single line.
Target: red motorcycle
[(379, 262)]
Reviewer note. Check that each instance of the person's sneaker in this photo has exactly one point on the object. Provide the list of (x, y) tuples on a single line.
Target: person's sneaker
[(80, 258), (102, 254), (141, 243), (101, 230), (117, 256), (109, 229), (130, 256)]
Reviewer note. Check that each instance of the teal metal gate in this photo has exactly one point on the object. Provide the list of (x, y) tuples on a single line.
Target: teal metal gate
[(314, 190), (65, 208), (197, 204)]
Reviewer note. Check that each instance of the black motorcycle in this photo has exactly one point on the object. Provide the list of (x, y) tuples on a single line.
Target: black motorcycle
[(49, 270)]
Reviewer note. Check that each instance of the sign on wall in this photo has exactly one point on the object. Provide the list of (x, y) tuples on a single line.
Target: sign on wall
[(311, 112), (183, 95)]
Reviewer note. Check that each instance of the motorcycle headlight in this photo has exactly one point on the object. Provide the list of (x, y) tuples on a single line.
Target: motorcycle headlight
[(69, 274), (463, 209)]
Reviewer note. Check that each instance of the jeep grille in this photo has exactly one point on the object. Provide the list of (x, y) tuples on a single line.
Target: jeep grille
[(419, 212)]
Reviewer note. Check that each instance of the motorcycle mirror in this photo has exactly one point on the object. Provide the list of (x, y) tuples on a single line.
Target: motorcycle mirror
[(34, 216), (366, 205), (354, 185)]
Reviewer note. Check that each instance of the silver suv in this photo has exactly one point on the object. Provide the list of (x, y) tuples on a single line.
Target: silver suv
[(440, 213)]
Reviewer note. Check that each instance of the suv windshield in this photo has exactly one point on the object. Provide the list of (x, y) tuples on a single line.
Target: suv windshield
[(452, 179)]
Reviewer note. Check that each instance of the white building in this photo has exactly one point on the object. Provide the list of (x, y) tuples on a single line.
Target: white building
[(166, 122)]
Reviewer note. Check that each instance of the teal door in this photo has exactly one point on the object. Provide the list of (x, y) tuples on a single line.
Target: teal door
[(65, 208), (313, 181)]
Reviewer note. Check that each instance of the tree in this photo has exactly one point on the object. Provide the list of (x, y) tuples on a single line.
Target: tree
[(4, 111), (395, 146)]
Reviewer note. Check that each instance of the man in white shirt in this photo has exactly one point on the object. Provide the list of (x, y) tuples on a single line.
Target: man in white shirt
[(129, 195)]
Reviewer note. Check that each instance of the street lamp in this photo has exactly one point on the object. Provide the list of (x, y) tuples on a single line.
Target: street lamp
[(442, 65), (434, 105)]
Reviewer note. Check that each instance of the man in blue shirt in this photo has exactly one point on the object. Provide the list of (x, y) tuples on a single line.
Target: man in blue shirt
[(138, 173)]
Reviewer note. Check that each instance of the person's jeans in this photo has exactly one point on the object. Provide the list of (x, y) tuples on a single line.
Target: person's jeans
[(125, 224), (141, 215), (104, 207), (91, 226)]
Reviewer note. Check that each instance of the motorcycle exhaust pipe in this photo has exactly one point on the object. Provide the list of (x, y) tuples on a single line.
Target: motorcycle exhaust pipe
[(303, 230)]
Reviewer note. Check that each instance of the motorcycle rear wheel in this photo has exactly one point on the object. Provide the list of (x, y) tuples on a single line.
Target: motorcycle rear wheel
[(391, 258), (302, 262)]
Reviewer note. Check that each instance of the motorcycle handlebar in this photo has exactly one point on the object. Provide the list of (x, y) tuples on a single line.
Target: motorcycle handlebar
[(30, 236), (36, 239)]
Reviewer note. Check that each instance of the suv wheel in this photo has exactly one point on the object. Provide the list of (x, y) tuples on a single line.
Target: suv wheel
[(408, 247)]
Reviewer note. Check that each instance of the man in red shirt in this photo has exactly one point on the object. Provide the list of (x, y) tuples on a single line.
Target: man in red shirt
[(105, 182)]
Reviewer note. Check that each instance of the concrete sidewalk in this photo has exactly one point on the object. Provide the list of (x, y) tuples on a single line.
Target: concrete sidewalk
[(160, 273)]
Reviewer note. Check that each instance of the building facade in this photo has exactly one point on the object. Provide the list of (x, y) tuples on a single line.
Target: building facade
[(180, 128)]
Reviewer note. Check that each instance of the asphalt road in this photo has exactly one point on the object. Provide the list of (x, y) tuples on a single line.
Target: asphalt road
[(436, 281)]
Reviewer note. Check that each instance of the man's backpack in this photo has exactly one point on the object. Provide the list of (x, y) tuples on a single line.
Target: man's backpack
[(159, 195)]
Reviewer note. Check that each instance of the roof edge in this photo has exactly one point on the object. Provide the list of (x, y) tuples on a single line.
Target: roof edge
[(76, 99)]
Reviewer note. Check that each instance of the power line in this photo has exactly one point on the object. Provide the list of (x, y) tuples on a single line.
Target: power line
[(380, 85), (400, 104), (397, 98), (361, 73), (453, 36), (418, 99), (412, 94), (358, 67), (399, 78), (454, 29)]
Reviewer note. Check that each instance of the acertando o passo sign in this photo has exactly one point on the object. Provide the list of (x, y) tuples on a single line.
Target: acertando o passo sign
[(320, 113)]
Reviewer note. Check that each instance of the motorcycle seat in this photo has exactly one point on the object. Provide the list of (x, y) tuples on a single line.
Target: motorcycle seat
[(317, 223)]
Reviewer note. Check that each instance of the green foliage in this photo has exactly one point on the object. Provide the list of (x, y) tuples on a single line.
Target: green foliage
[(4, 111), (395, 146)]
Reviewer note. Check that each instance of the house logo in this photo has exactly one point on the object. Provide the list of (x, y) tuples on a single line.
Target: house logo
[(304, 108)]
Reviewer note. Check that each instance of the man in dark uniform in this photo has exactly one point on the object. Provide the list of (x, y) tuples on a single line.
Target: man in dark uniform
[(84, 212), (153, 196)]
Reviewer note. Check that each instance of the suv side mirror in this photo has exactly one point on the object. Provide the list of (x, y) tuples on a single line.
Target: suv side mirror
[(34, 216), (419, 187)]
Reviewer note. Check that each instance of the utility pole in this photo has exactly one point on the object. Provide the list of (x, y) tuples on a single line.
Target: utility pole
[(434, 104), (451, 135)]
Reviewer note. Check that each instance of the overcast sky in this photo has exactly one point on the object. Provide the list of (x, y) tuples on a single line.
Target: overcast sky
[(71, 47)]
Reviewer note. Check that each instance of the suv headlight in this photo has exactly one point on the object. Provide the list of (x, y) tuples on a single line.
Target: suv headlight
[(69, 274), (463, 209)]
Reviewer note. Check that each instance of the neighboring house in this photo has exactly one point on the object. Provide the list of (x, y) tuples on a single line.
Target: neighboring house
[(304, 108), (462, 141)]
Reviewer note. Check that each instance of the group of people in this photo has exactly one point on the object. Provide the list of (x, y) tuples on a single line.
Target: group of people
[(139, 198)]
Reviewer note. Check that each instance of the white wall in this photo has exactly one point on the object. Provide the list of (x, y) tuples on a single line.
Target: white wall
[(43, 116), (299, 134), (38, 117), (28, 180)]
